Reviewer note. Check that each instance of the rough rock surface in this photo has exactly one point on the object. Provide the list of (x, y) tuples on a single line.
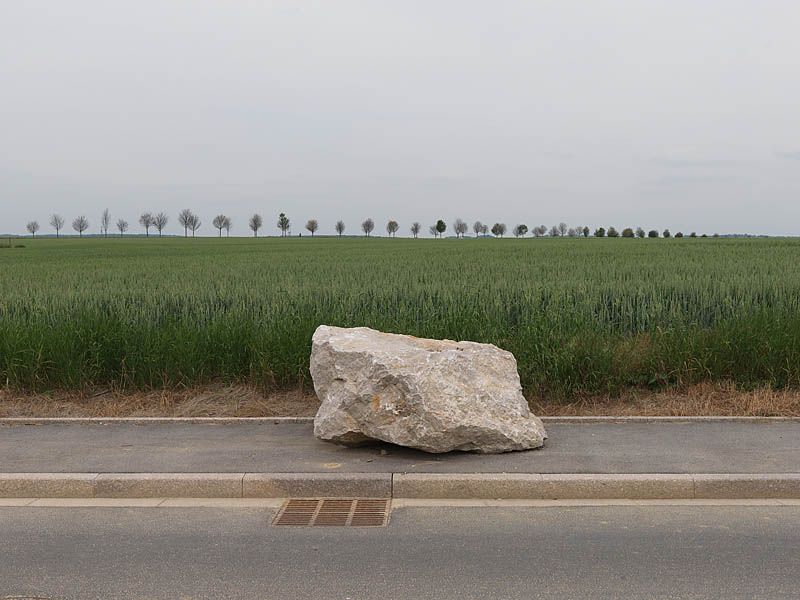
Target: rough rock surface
[(434, 395)]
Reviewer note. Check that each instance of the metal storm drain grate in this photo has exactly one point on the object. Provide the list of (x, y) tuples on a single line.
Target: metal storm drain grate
[(335, 512)]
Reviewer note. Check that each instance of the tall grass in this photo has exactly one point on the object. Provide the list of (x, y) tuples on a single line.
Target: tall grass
[(580, 315)]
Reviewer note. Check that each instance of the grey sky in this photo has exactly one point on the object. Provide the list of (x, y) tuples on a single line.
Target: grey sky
[(679, 114)]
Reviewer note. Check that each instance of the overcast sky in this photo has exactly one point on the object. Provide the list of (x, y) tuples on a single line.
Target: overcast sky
[(679, 114)]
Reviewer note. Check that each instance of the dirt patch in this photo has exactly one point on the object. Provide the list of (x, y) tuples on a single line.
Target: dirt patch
[(208, 401), (244, 401), (706, 399)]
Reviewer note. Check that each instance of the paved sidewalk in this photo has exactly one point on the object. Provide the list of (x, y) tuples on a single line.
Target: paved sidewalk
[(611, 448)]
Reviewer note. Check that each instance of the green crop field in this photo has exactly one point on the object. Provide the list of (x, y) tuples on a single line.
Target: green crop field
[(580, 315)]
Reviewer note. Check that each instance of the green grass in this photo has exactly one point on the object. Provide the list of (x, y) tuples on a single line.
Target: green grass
[(580, 315)]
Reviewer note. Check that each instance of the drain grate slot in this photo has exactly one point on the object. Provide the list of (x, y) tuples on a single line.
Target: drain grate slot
[(333, 512)]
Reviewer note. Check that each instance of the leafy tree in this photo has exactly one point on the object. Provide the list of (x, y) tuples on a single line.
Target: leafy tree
[(160, 221), (339, 228), (415, 228), (612, 232), (57, 222), (666, 233), (520, 230), (122, 225), (704, 236), (652, 233), (284, 224), (693, 234), (499, 229), (80, 224), (32, 227), (679, 234), (441, 227), (185, 218), (367, 226), (392, 227), (255, 223), (600, 232), (146, 221), (640, 232), (586, 231), (312, 225), (627, 232), (105, 221)]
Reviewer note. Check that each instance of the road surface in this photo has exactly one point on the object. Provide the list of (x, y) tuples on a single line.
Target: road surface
[(432, 552)]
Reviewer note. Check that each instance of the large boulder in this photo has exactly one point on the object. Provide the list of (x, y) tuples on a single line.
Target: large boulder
[(434, 395)]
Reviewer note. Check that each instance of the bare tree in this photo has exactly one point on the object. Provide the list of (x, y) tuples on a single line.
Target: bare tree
[(415, 229), (367, 226), (555, 231), (340, 227), (640, 232), (122, 225), (460, 227), (484, 230), (520, 230), (255, 223), (572, 232), (227, 225), (499, 229), (562, 228), (80, 224), (147, 221), (105, 222), (57, 222), (392, 227), (32, 227), (284, 224), (219, 223), (477, 227), (433, 231), (195, 223), (160, 222), (312, 225), (185, 219)]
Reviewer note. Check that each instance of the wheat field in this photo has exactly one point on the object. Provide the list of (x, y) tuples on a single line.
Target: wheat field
[(580, 315)]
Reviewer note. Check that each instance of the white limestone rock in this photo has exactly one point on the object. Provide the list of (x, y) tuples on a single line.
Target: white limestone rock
[(434, 395)]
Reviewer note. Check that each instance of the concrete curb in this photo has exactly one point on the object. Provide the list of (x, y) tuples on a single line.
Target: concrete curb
[(304, 420), (325, 485), (485, 486)]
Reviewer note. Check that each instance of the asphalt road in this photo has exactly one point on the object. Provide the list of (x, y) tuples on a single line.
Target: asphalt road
[(696, 447), (439, 553)]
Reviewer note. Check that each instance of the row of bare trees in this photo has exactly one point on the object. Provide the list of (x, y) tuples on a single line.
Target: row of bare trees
[(191, 222), (81, 223)]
